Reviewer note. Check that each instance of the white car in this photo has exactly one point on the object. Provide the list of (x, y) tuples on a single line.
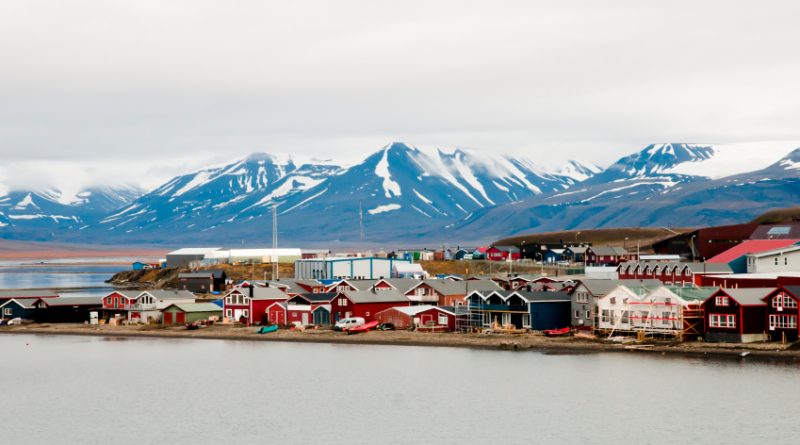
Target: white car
[(347, 323)]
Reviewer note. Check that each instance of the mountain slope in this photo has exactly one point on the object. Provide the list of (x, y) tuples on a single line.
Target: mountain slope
[(397, 187), (644, 195), (40, 214)]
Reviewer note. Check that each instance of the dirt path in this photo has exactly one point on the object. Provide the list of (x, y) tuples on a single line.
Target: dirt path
[(766, 351)]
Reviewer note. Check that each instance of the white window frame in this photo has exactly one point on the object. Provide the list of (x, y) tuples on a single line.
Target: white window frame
[(781, 321), (722, 301), (442, 319)]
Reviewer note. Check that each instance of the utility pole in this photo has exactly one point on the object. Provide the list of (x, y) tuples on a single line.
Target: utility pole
[(275, 271)]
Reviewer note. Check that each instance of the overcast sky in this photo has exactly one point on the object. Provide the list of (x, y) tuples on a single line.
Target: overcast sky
[(141, 90)]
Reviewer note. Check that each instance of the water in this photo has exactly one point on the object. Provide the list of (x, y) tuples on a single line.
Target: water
[(78, 278), (84, 390)]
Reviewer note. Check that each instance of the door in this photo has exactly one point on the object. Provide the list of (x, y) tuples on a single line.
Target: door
[(506, 319), (180, 318), (167, 317), (305, 318)]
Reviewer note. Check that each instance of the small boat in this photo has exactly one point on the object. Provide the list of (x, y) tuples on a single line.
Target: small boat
[(363, 328), (268, 329), (556, 332)]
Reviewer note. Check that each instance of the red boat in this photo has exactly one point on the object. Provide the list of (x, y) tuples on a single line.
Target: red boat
[(556, 332), (363, 328)]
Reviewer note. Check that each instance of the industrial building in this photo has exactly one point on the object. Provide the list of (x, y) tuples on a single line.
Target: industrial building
[(350, 268)]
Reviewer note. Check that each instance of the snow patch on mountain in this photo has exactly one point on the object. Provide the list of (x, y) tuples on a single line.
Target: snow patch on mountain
[(384, 208), (577, 170), (26, 202), (390, 187), (732, 159)]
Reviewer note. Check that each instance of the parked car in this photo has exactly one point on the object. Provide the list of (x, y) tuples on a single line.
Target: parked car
[(386, 327), (347, 323)]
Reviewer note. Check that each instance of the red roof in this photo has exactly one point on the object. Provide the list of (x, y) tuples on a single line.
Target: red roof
[(752, 246)]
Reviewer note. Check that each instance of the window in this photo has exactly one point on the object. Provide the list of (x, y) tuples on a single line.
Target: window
[(784, 301), (229, 313), (588, 315), (776, 261), (582, 297), (606, 316), (613, 300), (783, 321), (244, 312), (7, 311), (577, 314), (666, 318), (786, 261), (721, 301), (526, 320), (722, 321), (443, 319), (626, 317)]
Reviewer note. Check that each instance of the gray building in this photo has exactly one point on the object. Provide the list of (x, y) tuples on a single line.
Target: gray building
[(349, 268), (186, 256)]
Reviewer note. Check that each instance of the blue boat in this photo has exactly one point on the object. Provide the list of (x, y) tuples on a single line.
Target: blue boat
[(268, 329)]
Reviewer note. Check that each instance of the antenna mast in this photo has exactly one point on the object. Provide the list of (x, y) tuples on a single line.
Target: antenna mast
[(274, 243), (360, 221)]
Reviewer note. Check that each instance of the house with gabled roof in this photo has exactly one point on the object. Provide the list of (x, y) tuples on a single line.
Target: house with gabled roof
[(736, 315), (783, 313), (67, 309), (405, 317), (23, 308), (365, 303), (148, 304)]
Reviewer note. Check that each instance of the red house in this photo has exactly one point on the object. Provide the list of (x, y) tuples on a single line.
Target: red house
[(608, 255), (119, 301), (249, 304), (365, 303), (679, 274), (404, 317), (502, 253), (736, 315), (782, 313)]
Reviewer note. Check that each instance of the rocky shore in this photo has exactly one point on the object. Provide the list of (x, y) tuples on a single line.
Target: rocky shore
[(522, 342)]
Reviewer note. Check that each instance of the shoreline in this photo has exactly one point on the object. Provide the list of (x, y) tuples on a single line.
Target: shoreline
[(522, 342)]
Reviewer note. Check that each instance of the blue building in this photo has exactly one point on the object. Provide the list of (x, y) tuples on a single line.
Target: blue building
[(23, 308), (548, 310)]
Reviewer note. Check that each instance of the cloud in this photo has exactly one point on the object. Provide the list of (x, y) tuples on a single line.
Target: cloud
[(147, 89)]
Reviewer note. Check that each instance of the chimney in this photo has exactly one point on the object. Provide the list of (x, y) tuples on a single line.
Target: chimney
[(250, 291)]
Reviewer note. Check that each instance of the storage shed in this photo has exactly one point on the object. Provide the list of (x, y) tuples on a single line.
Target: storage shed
[(404, 317), (180, 313)]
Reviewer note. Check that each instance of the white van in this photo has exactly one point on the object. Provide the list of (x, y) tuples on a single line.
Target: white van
[(347, 323)]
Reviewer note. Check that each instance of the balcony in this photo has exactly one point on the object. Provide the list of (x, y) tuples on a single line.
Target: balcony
[(499, 308)]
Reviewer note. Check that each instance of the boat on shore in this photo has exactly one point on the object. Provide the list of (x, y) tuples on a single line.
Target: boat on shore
[(268, 329), (556, 332), (363, 328)]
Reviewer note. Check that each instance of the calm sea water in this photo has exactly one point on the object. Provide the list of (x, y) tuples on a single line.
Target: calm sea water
[(80, 390), (79, 279)]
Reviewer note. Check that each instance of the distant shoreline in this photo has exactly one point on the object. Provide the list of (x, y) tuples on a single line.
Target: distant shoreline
[(525, 342)]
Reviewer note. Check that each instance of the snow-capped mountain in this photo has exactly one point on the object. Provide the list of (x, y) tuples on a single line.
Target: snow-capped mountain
[(408, 186), (409, 194), (658, 186), (205, 199), (38, 213)]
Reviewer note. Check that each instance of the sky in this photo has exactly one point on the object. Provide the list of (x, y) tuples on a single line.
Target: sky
[(139, 91)]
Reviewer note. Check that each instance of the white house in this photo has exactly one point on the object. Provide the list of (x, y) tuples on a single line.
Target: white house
[(786, 259), (661, 310), (148, 304)]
